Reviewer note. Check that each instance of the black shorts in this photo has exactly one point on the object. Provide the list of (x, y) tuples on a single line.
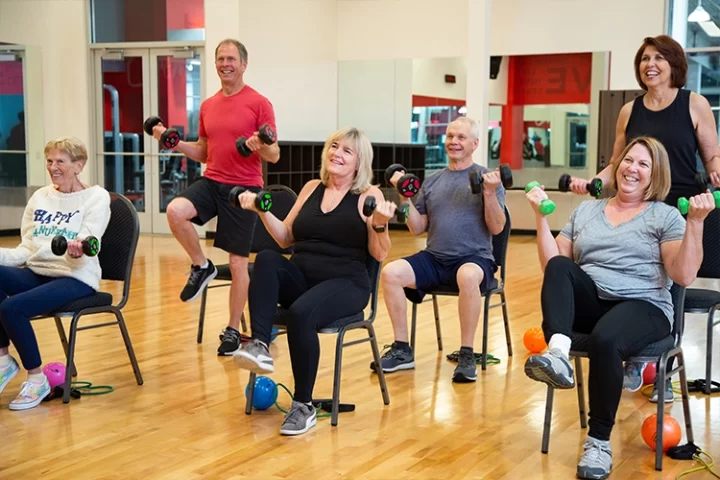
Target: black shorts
[(235, 226), (430, 273)]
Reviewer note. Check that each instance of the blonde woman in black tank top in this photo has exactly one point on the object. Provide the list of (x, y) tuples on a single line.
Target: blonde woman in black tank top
[(326, 278), (681, 120)]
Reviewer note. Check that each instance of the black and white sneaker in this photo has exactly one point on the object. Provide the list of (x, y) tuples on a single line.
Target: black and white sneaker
[(229, 342), (199, 279), (466, 371), (395, 358)]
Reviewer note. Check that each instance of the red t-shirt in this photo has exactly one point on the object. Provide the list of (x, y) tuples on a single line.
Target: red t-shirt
[(222, 121)]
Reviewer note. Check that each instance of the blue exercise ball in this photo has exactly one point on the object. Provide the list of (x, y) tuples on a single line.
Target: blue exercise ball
[(265, 393)]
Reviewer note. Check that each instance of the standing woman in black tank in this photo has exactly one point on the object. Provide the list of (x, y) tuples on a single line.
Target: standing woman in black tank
[(680, 119), (326, 278)]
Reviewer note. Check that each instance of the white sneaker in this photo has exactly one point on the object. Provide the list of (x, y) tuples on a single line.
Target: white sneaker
[(254, 356), (31, 394)]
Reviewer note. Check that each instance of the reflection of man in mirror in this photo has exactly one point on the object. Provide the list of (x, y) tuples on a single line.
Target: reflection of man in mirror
[(16, 140)]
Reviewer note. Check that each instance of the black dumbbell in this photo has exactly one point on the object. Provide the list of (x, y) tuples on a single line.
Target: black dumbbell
[(476, 180), (408, 185), (401, 213), (263, 200), (702, 179), (594, 188), (169, 138), (91, 246), (265, 133)]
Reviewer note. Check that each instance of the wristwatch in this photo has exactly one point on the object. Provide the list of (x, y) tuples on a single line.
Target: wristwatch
[(379, 228)]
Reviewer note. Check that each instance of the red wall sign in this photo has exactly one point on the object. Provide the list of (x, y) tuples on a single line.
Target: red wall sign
[(552, 79)]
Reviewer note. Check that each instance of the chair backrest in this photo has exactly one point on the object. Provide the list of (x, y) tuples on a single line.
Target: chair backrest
[(678, 300), (119, 243), (710, 267), (500, 244), (283, 199), (373, 268)]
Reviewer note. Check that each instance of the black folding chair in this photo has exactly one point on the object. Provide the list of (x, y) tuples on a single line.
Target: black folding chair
[(660, 352), (283, 201), (117, 254), (340, 327), (500, 245)]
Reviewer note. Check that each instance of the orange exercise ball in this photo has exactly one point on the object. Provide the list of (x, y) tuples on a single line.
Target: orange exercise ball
[(534, 340), (671, 432)]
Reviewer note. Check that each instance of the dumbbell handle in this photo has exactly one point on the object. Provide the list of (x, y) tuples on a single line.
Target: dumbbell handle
[(90, 245), (546, 206), (263, 199), (684, 204)]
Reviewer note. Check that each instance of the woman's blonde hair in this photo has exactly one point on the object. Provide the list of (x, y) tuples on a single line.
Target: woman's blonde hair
[(660, 175), (71, 146), (362, 146)]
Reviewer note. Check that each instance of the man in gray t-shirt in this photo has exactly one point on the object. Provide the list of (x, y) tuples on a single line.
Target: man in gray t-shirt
[(459, 254)]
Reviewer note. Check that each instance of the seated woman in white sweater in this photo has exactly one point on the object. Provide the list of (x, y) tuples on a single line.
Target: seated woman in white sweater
[(34, 280)]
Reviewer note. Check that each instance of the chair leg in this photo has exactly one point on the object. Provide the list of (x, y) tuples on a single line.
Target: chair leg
[(250, 394), (685, 397), (70, 358), (64, 342), (661, 379), (438, 331), (708, 352), (376, 356), (412, 326), (201, 320), (486, 321), (580, 386), (129, 347), (548, 419), (506, 320), (336, 377), (243, 323)]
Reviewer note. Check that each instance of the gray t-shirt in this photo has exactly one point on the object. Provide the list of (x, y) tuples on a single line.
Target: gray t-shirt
[(624, 261), (456, 216)]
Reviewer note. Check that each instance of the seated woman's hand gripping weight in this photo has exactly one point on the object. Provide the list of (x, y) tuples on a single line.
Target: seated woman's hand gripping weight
[(326, 278), (608, 274), (55, 263)]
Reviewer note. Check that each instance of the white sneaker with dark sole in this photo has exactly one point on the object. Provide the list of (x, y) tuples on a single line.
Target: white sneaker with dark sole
[(255, 357)]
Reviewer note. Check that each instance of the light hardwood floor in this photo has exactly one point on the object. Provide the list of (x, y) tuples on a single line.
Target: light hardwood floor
[(188, 422)]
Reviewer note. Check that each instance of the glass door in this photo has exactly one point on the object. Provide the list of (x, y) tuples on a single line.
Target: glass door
[(132, 85), (176, 85)]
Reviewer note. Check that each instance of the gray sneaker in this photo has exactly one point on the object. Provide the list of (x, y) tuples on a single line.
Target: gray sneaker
[(596, 460), (466, 370), (254, 356), (299, 419), (669, 394), (633, 376), (395, 359), (552, 368)]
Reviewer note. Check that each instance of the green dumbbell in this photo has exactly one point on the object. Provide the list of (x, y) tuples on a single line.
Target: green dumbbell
[(547, 206), (684, 204)]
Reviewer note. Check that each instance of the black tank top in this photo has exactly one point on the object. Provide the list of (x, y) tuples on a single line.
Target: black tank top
[(333, 244), (673, 127)]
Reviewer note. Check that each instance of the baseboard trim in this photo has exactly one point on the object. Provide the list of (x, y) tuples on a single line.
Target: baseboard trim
[(11, 232)]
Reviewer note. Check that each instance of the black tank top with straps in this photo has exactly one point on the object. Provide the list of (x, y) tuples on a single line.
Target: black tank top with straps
[(673, 127), (333, 244)]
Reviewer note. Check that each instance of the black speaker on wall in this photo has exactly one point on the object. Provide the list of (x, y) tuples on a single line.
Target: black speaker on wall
[(494, 67)]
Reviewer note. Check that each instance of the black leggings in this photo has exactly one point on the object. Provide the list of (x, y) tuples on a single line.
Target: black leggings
[(277, 280), (617, 329)]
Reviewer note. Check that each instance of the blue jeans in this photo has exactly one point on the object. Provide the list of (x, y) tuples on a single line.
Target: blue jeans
[(23, 295)]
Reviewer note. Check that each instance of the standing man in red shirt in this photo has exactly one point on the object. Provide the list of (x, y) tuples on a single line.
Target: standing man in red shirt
[(236, 110)]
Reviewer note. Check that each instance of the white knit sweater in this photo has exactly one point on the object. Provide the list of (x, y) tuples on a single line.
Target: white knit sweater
[(72, 215)]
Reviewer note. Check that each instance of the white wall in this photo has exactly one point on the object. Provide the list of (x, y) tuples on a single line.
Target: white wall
[(60, 30), (428, 77), (292, 59), (521, 27)]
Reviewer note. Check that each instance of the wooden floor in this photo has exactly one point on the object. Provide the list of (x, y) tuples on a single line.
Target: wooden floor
[(187, 421)]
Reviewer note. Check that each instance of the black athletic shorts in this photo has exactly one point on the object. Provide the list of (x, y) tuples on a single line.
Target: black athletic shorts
[(235, 226)]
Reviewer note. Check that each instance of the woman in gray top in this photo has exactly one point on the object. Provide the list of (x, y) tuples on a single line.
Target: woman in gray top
[(608, 274)]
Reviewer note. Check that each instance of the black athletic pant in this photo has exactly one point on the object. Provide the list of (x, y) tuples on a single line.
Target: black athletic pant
[(617, 329), (277, 280)]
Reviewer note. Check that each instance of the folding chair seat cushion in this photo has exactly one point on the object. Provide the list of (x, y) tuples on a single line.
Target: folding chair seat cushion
[(282, 316), (99, 299), (700, 299), (581, 345)]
